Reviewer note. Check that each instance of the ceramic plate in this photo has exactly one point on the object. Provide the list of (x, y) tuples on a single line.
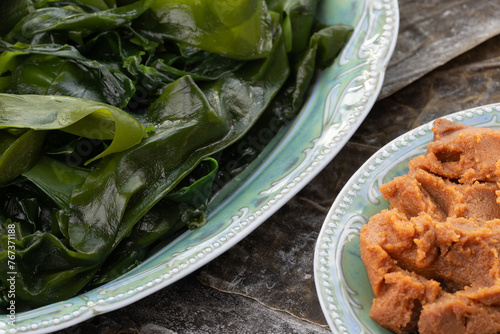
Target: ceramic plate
[(341, 97), (342, 283)]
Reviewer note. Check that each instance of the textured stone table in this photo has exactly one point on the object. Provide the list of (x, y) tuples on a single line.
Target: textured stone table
[(447, 59)]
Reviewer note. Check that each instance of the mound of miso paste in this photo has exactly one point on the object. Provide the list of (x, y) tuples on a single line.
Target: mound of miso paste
[(432, 257)]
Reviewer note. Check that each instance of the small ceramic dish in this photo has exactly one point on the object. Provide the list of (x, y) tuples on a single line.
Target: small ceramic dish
[(341, 280)]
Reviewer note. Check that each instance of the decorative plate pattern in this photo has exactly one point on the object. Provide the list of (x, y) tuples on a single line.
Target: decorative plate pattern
[(341, 280), (341, 97)]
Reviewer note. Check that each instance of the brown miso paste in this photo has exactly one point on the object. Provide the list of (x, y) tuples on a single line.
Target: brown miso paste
[(433, 257)]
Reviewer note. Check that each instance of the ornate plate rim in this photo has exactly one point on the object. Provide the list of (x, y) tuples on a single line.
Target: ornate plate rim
[(332, 236), (376, 34)]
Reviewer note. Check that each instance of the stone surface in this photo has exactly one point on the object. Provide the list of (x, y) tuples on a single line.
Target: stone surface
[(431, 32), (274, 264), (470, 80), (265, 283), (191, 307)]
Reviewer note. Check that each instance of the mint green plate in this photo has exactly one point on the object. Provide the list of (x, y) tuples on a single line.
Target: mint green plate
[(341, 97), (342, 283)]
